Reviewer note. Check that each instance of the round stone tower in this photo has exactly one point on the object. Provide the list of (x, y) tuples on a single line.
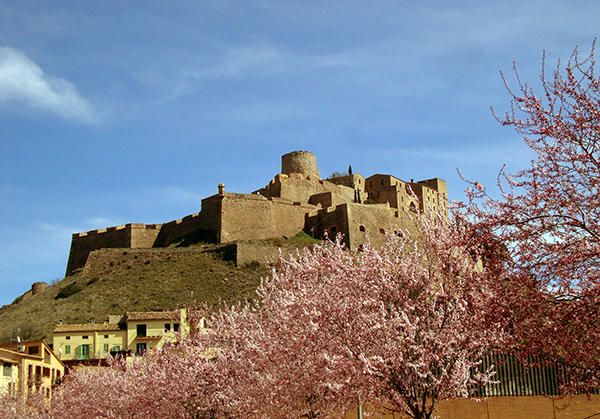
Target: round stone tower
[(38, 287), (300, 162)]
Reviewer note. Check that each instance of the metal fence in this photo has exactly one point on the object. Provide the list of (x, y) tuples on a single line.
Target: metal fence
[(533, 376)]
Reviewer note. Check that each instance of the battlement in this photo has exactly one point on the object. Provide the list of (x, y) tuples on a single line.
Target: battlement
[(116, 228), (185, 219)]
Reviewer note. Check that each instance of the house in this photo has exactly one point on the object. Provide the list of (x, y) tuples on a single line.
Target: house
[(29, 368), (132, 333)]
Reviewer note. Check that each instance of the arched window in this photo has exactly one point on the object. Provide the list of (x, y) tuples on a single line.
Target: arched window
[(362, 228), (413, 207), (382, 231)]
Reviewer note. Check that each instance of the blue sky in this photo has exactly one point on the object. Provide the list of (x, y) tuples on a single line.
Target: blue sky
[(115, 112)]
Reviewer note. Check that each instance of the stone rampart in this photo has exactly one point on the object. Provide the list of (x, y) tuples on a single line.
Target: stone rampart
[(123, 236), (106, 261), (255, 217), (176, 230)]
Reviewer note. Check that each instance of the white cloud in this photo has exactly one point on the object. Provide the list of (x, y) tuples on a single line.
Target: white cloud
[(23, 81)]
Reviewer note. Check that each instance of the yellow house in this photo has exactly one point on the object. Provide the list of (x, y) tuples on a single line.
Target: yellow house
[(79, 342), (133, 333), (28, 368), (151, 329)]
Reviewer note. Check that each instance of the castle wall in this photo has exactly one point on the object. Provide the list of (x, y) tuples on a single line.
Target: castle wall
[(254, 217), (83, 243), (298, 187), (376, 221), (358, 223), (430, 196), (328, 222), (143, 236)]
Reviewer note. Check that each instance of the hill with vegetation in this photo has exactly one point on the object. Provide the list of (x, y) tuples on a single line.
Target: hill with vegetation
[(118, 280)]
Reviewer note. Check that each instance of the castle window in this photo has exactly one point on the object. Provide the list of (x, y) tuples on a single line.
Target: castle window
[(382, 231), (362, 228), (381, 182)]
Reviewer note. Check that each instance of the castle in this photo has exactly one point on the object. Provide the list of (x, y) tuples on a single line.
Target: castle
[(295, 200)]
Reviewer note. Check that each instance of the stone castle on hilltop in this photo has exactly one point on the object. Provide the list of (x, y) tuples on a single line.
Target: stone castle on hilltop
[(295, 200)]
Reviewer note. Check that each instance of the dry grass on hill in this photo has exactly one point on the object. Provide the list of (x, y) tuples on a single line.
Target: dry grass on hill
[(136, 280)]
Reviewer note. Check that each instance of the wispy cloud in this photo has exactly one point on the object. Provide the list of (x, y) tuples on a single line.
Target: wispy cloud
[(23, 81)]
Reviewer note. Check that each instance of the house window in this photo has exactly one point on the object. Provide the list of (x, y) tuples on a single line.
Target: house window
[(85, 337), (176, 327), (7, 370), (33, 350), (116, 348), (68, 337), (168, 327), (67, 349), (106, 347), (105, 336), (83, 351), (333, 230), (362, 228), (140, 348), (141, 330)]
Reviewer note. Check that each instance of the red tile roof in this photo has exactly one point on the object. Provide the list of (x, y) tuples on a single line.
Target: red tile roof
[(86, 327), (153, 315)]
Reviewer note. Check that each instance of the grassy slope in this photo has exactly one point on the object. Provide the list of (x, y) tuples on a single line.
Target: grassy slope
[(153, 284)]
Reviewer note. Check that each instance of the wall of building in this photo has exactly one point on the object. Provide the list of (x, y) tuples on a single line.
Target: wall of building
[(299, 188), (254, 217), (358, 223), (9, 375), (154, 329), (510, 407), (376, 221), (328, 222), (67, 344)]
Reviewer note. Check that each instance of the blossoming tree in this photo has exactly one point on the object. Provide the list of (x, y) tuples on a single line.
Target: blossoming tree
[(548, 216)]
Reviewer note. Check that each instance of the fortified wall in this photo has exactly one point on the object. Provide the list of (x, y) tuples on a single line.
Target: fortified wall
[(295, 200)]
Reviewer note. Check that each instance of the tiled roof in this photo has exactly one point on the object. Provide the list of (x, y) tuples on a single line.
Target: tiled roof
[(86, 327), (153, 315)]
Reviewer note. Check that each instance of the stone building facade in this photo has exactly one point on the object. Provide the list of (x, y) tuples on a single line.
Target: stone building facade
[(295, 200)]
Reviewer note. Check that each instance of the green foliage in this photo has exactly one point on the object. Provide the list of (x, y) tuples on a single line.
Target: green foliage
[(69, 290), (302, 236), (337, 174)]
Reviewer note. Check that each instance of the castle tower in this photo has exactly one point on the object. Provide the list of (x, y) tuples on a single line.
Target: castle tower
[(300, 162)]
